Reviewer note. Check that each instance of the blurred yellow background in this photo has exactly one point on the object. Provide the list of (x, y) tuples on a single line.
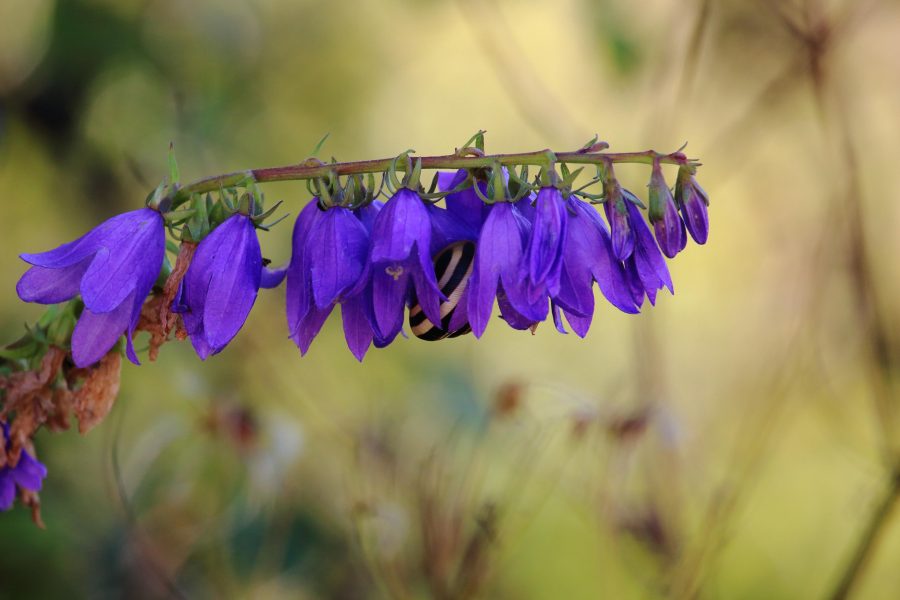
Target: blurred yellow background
[(727, 443)]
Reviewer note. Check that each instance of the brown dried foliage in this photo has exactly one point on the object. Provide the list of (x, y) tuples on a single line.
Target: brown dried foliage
[(95, 398), (157, 317), (30, 397)]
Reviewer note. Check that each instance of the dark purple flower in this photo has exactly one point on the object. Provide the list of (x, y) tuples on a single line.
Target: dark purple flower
[(113, 267), (588, 257), (544, 252), (692, 201), (498, 272), (28, 474), (222, 283), (328, 267), (646, 267), (400, 260), (669, 228)]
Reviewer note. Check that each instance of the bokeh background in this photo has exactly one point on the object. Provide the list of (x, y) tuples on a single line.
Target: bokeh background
[(736, 441)]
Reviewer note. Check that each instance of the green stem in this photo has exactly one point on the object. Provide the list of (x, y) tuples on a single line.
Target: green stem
[(313, 169)]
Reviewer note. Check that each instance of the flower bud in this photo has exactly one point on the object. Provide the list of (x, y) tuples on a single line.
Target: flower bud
[(667, 225), (692, 202)]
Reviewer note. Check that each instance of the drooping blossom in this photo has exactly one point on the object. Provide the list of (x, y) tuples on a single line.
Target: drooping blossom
[(328, 267), (28, 474), (330, 248), (544, 252), (498, 272), (663, 214), (692, 201), (400, 262), (588, 257), (113, 267), (222, 283), (646, 268)]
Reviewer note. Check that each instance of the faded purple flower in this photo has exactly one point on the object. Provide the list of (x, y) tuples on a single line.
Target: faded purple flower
[(221, 284), (663, 214), (400, 261), (692, 201), (28, 474), (113, 267)]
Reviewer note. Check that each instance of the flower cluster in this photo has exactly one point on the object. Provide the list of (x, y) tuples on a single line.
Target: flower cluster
[(534, 249)]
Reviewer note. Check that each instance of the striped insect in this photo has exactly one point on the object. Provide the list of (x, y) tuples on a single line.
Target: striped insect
[(453, 267)]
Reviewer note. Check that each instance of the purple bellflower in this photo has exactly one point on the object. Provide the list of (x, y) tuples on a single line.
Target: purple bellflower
[(498, 272), (221, 285), (544, 252), (667, 224), (328, 267), (113, 267), (646, 268), (28, 474), (588, 257), (400, 261), (326, 264), (692, 201)]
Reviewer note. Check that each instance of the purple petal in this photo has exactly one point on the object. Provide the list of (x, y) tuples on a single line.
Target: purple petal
[(95, 334), (447, 228), (29, 474), (337, 248), (357, 328), (651, 266), (620, 228), (7, 489), (235, 278), (513, 317), (693, 209), (670, 230), (310, 326), (401, 224), (272, 278), (467, 206), (447, 180), (110, 231), (50, 286), (123, 260), (499, 250), (389, 293), (299, 292), (548, 234), (428, 293), (589, 245)]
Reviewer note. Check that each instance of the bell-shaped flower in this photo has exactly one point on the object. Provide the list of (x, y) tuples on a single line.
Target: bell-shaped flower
[(113, 267), (28, 474), (328, 267), (221, 285), (400, 261), (498, 272), (667, 224), (692, 201), (646, 268), (588, 257), (544, 252)]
